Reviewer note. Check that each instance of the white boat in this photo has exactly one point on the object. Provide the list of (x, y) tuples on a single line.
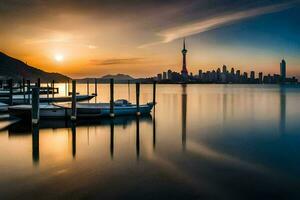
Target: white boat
[(121, 107), (3, 107), (19, 99), (84, 110), (46, 111)]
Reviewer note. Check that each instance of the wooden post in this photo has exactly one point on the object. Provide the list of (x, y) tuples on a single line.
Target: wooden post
[(52, 88), (23, 85), (10, 85), (96, 89), (66, 89), (20, 86), (128, 84), (38, 83), (28, 91), (48, 92), (138, 99), (35, 113), (73, 116), (154, 93), (88, 87), (112, 98), (23, 89)]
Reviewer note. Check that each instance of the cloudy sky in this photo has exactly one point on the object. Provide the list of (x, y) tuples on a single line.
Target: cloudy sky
[(144, 37)]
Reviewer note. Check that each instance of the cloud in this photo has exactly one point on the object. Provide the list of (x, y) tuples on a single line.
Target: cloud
[(116, 61), (201, 26)]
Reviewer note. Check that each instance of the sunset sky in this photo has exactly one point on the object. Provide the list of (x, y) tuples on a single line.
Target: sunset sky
[(142, 38)]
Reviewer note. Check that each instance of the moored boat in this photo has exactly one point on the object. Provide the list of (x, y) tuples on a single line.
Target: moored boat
[(84, 110), (3, 107), (46, 111), (19, 99), (121, 107)]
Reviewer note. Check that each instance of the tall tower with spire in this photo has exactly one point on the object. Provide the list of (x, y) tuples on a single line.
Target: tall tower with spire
[(184, 71), (283, 70)]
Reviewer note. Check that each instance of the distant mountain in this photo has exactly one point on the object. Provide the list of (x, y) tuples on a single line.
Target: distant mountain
[(117, 77), (17, 70)]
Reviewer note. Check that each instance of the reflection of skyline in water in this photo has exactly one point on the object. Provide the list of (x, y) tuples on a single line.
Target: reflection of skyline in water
[(126, 121), (282, 122), (199, 136), (183, 115)]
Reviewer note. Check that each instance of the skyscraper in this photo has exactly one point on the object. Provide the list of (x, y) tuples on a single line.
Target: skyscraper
[(184, 71), (252, 75), (164, 75), (260, 75), (224, 70), (200, 74), (283, 70), (169, 74), (232, 71)]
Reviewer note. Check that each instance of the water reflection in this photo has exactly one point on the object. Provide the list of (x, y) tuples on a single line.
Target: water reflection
[(282, 123), (137, 138), (236, 139), (112, 131), (73, 128), (183, 115), (35, 145), (154, 131)]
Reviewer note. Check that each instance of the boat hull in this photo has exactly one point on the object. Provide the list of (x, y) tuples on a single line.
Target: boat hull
[(18, 100), (46, 111), (83, 111), (104, 111)]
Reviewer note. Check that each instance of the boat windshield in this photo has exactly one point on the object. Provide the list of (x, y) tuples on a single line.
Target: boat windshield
[(121, 102)]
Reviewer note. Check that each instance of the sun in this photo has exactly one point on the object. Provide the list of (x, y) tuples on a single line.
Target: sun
[(58, 57)]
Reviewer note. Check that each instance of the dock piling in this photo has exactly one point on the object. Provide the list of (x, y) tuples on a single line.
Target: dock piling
[(96, 89), (48, 92), (66, 88), (20, 86), (88, 87), (138, 99), (53, 88), (38, 83), (23, 90), (154, 93), (111, 98), (128, 84), (35, 105), (73, 115), (28, 91), (10, 85)]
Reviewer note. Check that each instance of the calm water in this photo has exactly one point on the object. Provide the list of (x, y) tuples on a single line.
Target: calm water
[(204, 141)]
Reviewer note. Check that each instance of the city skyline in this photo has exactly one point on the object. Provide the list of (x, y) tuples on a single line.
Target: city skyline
[(71, 36), (223, 75)]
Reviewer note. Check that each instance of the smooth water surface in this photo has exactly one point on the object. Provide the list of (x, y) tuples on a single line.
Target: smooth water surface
[(204, 141)]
